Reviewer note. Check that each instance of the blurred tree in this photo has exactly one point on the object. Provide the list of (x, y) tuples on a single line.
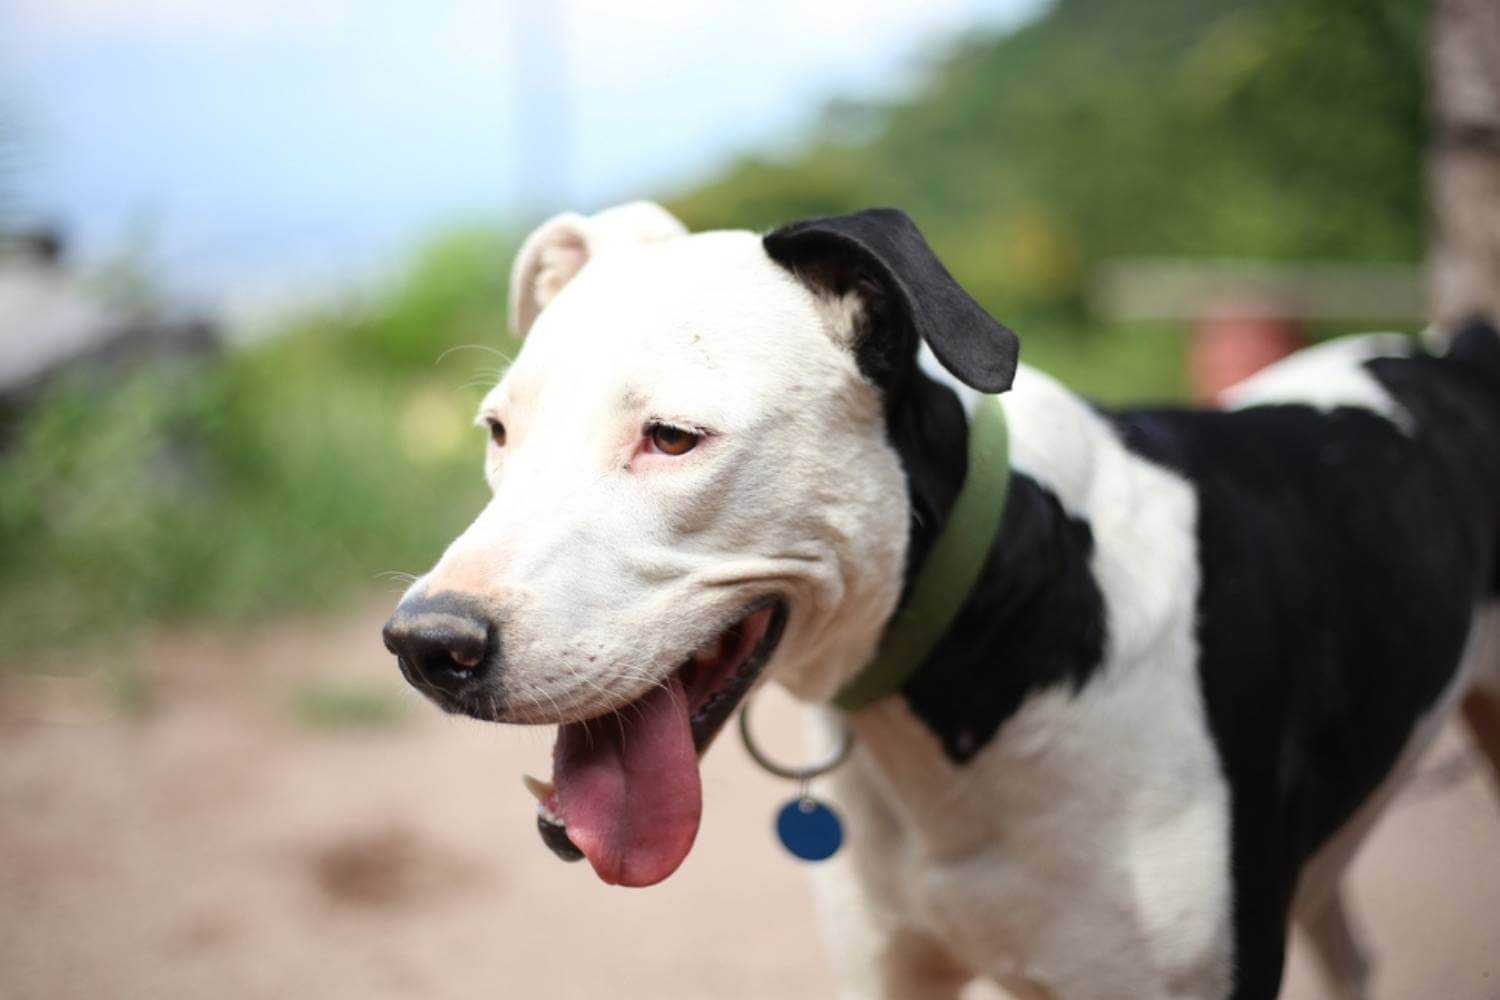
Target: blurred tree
[(1262, 128)]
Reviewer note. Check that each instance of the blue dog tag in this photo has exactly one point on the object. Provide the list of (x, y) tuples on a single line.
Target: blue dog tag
[(809, 829)]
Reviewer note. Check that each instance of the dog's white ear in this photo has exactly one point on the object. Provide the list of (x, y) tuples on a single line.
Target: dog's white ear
[(557, 250)]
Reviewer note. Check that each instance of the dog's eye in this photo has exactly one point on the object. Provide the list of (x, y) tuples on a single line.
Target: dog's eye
[(497, 432), (671, 440)]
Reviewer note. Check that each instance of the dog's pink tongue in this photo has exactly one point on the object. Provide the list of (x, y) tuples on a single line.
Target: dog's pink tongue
[(628, 788)]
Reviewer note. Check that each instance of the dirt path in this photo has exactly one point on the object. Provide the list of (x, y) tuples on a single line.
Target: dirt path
[(286, 819)]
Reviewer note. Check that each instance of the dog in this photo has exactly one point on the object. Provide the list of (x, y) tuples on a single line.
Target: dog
[(1199, 652)]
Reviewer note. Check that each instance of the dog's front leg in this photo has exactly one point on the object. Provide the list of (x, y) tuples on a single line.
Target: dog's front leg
[(1337, 947), (874, 956), (877, 952)]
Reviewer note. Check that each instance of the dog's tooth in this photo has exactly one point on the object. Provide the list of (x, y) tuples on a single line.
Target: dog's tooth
[(536, 786)]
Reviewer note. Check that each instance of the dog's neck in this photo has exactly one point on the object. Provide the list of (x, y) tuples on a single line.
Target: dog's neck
[(1036, 620), (1033, 625), (949, 569), (930, 432)]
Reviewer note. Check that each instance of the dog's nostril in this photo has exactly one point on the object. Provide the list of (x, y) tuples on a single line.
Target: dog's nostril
[(433, 650), (464, 660), (434, 663)]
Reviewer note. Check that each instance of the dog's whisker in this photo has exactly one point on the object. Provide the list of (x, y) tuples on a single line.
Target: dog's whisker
[(484, 377), (508, 359), (586, 679), (553, 701), (396, 574)]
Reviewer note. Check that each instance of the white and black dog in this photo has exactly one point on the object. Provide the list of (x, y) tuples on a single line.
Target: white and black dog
[(1202, 647)]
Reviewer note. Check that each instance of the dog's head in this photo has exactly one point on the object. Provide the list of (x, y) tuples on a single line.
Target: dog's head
[(714, 457)]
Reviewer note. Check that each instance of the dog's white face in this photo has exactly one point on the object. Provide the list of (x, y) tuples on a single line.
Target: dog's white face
[(607, 559), (670, 461), (693, 487)]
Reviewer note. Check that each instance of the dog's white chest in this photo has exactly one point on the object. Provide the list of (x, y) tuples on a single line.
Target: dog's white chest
[(1053, 860)]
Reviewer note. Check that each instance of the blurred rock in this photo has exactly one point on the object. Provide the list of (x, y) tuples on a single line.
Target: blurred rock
[(51, 322)]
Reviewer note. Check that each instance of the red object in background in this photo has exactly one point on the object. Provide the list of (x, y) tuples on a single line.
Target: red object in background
[(1234, 341)]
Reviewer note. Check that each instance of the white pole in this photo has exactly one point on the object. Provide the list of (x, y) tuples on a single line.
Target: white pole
[(543, 110)]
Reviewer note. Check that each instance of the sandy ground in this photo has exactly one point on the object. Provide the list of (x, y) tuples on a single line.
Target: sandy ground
[(219, 843)]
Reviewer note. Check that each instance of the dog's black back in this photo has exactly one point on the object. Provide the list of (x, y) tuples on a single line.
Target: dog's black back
[(1343, 558)]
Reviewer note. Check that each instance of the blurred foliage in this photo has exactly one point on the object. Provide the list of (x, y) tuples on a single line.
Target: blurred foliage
[(298, 470), (285, 474), (1275, 129), (452, 294)]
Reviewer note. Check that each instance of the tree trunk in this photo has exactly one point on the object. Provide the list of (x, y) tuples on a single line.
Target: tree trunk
[(1466, 161)]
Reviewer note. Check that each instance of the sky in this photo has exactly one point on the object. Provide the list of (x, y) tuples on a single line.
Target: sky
[(261, 152)]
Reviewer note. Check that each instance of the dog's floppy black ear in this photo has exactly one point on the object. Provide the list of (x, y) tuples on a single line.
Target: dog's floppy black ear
[(907, 293)]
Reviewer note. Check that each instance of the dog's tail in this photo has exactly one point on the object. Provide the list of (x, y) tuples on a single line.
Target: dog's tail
[(1476, 342)]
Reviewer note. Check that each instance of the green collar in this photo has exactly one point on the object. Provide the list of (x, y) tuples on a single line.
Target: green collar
[(952, 567)]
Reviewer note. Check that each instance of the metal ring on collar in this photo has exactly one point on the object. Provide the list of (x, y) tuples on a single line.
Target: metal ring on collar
[(839, 754)]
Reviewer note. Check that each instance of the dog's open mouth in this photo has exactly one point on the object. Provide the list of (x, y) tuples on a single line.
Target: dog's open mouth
[(626, 792)]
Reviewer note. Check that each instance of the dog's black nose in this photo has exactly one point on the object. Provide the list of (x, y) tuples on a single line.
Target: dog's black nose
[(439, 643)]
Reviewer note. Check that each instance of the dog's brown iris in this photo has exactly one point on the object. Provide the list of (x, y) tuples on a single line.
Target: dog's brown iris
[(671, 440), (497, 432)]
